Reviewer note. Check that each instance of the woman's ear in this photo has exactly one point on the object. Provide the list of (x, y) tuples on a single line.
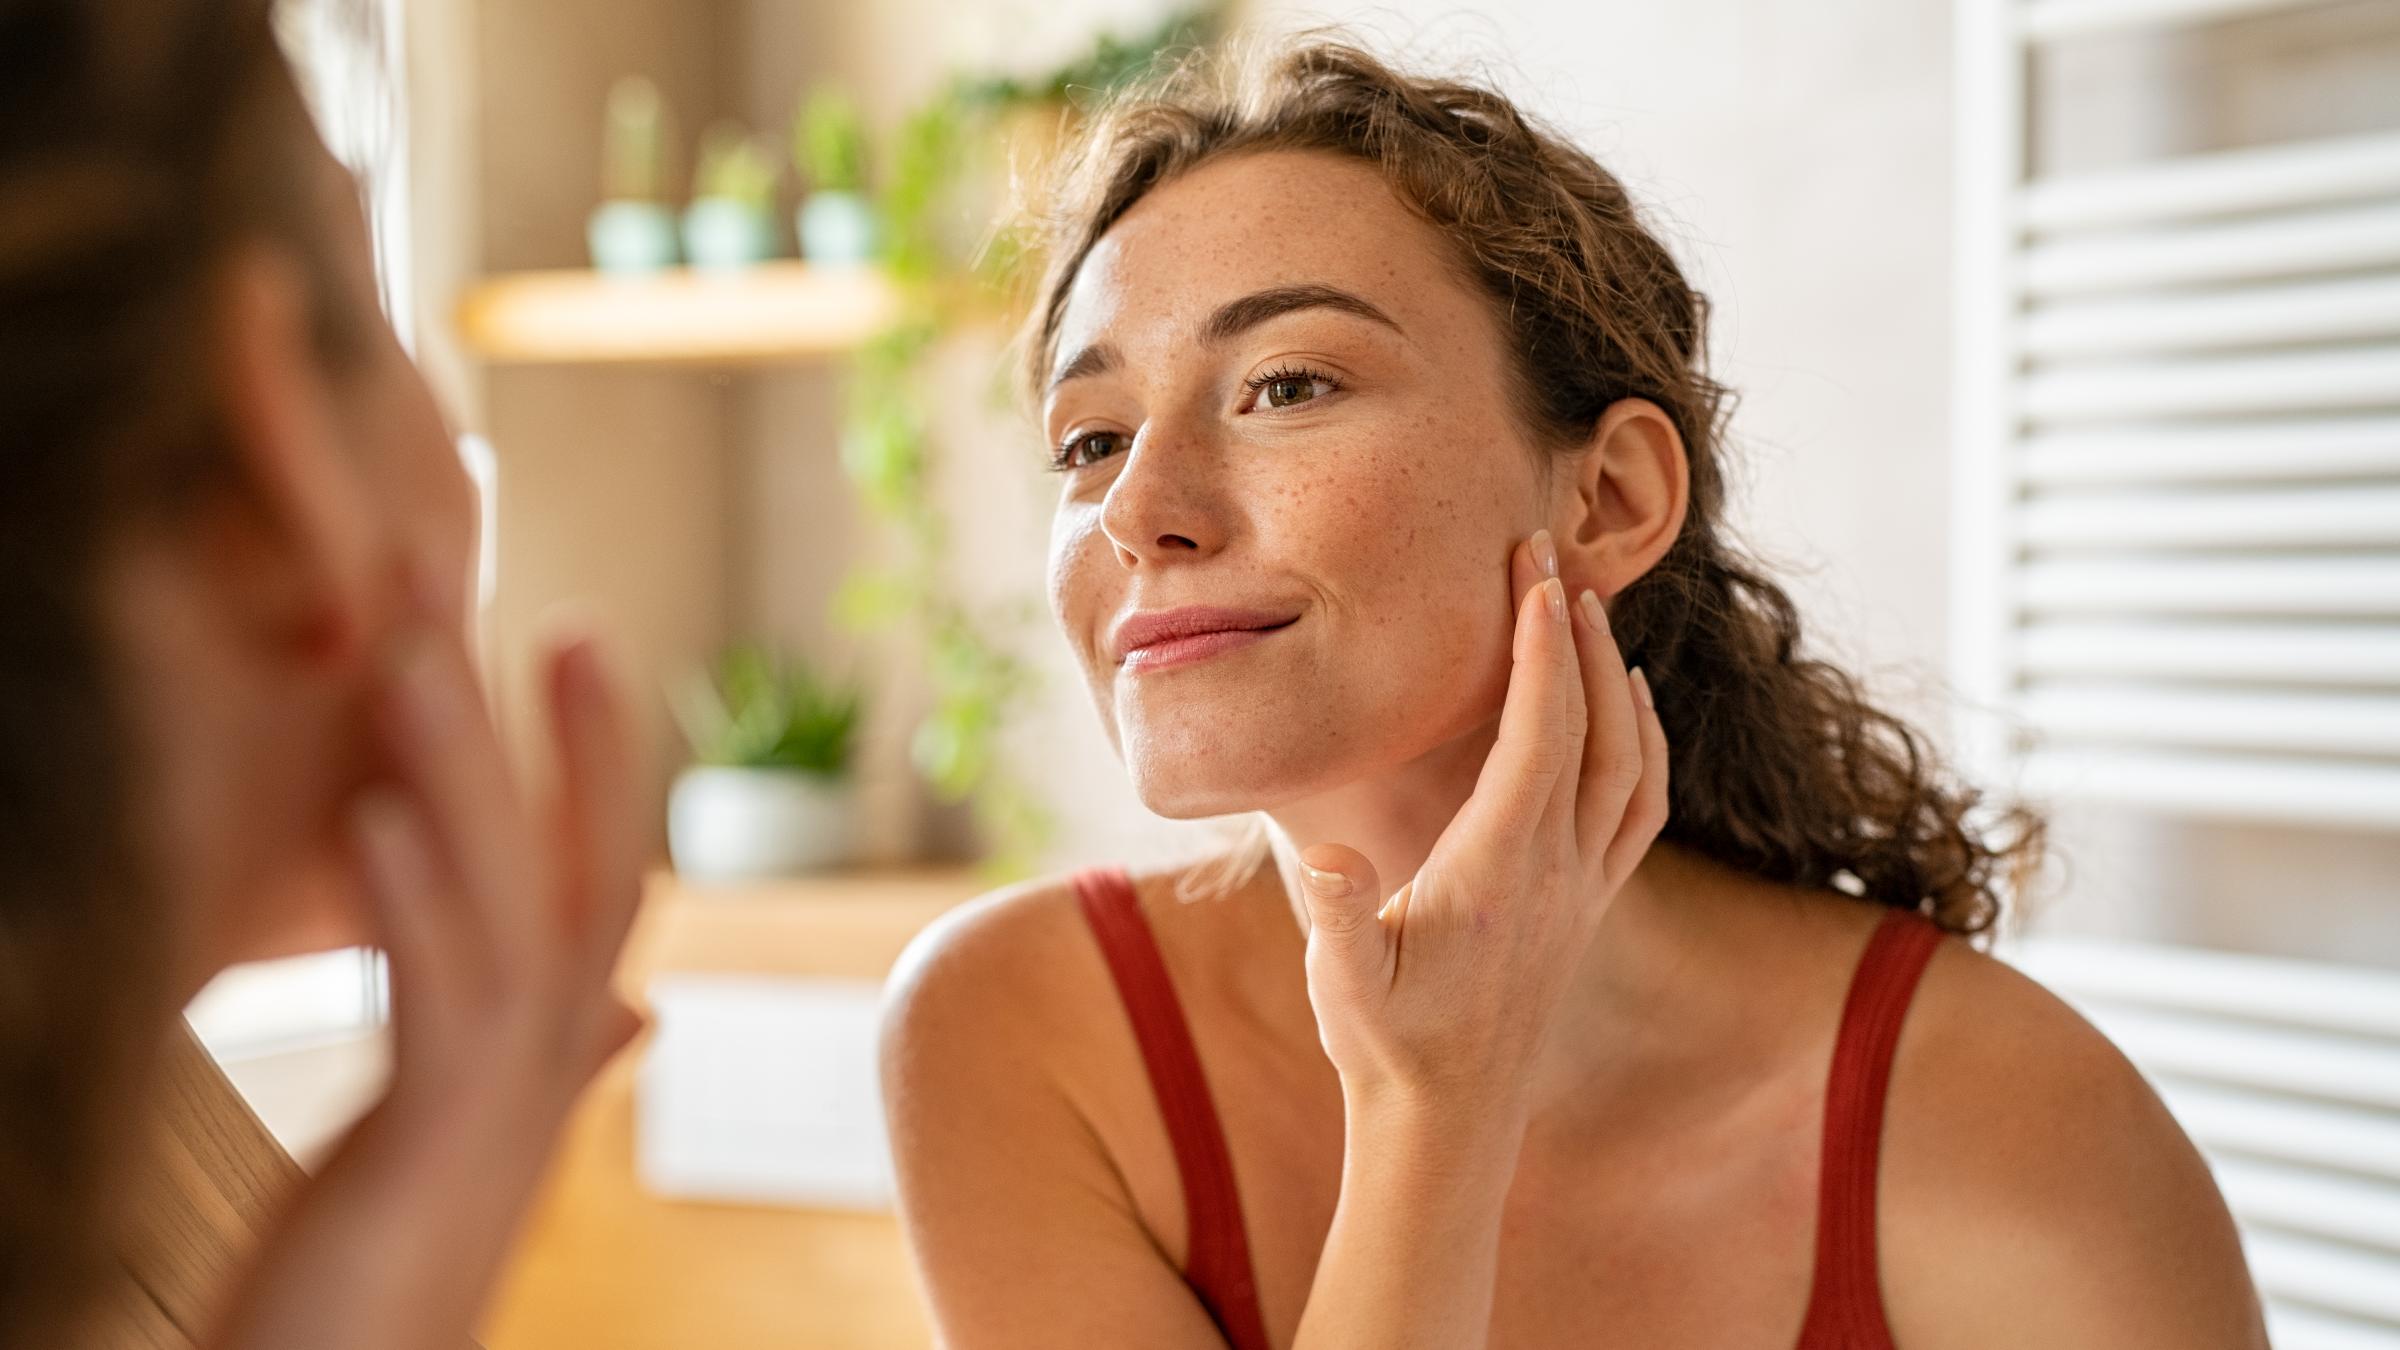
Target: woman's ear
[(1621, 500), (290, 544)]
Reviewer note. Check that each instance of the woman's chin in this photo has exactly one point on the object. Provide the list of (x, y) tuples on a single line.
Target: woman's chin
[(1223, 781), (1184, 800), (1210, 760)]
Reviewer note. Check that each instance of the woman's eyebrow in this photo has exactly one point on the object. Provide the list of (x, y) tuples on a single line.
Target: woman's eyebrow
[(1097, 359), (1236, 317)]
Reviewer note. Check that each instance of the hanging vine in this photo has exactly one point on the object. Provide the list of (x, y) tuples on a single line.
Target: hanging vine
[(888, 447)]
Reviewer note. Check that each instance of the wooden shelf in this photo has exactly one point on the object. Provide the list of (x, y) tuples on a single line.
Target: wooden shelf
[(774, 312)]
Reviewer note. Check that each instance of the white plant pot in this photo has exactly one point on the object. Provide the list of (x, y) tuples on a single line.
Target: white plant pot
[(730, 824), (836, 229), (630, 237), (721, 234)]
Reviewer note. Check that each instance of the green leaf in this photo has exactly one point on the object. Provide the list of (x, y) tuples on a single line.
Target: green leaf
[(871, 599), (733, 165), (635, 144), (762, 709), (883, 452), (829, 141)]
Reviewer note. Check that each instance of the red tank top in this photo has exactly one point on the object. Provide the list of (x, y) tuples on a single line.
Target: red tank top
[(1845, 1306)]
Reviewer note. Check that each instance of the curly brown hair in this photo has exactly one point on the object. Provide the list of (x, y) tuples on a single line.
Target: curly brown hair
[(1782, 766)]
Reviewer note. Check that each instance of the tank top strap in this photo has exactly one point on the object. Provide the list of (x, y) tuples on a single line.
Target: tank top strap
[(1845, 1310), (1217, 1264)]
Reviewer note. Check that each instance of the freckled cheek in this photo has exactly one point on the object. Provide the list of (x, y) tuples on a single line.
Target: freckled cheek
[(1387, 530), (1084, 579)]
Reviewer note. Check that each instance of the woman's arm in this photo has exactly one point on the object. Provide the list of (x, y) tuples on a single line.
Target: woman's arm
[(1415, 1247)]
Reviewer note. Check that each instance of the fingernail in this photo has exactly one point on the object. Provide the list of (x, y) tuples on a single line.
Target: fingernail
[(1545, 553), (1327, 884), (1641, 689), (1554, 594), (1594, 614)]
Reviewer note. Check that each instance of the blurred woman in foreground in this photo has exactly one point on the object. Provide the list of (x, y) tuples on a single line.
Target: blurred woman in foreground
[(236, 701)]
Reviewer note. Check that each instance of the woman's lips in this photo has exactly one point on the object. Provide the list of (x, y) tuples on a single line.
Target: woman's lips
[(1158, 639), (1198, 647)]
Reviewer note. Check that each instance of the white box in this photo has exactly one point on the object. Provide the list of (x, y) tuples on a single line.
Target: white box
[(763, 1090)]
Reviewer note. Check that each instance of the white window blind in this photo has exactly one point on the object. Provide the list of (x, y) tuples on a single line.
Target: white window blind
[(2177, 521)]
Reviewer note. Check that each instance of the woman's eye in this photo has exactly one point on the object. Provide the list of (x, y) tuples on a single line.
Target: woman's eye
[(1286, 388), (1088, 448)]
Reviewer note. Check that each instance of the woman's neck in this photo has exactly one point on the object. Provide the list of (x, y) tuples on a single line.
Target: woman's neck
[(1393, 818)]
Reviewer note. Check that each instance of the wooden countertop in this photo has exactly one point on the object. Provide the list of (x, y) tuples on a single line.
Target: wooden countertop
[(604, 1265)]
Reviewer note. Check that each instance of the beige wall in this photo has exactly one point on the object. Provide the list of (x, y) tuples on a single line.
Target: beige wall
[(613, 484)]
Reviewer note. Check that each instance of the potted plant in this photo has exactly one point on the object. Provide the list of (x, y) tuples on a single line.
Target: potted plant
[(731, 221), (769, 792), (836, 224), (632, 230)]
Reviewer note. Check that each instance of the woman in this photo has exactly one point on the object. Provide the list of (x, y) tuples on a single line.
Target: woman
[(1359, 385), (236, 704)]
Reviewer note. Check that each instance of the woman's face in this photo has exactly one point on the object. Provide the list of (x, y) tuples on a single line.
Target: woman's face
[(348, 468), (389, 439), (1290, 478)]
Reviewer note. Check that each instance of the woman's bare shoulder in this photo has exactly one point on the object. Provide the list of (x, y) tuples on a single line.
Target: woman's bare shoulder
[(2023, 1151), (999, 961), (1988, 1056), (1020, 1124), (1006, 1052), (1016, 961), (988, 1033)]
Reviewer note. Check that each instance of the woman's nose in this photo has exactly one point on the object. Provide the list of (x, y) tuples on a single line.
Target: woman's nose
[(1167, 501)]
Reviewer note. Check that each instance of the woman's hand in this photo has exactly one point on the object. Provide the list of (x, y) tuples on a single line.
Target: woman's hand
[(1443, 994), (1434, 1005), (502, 922)]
